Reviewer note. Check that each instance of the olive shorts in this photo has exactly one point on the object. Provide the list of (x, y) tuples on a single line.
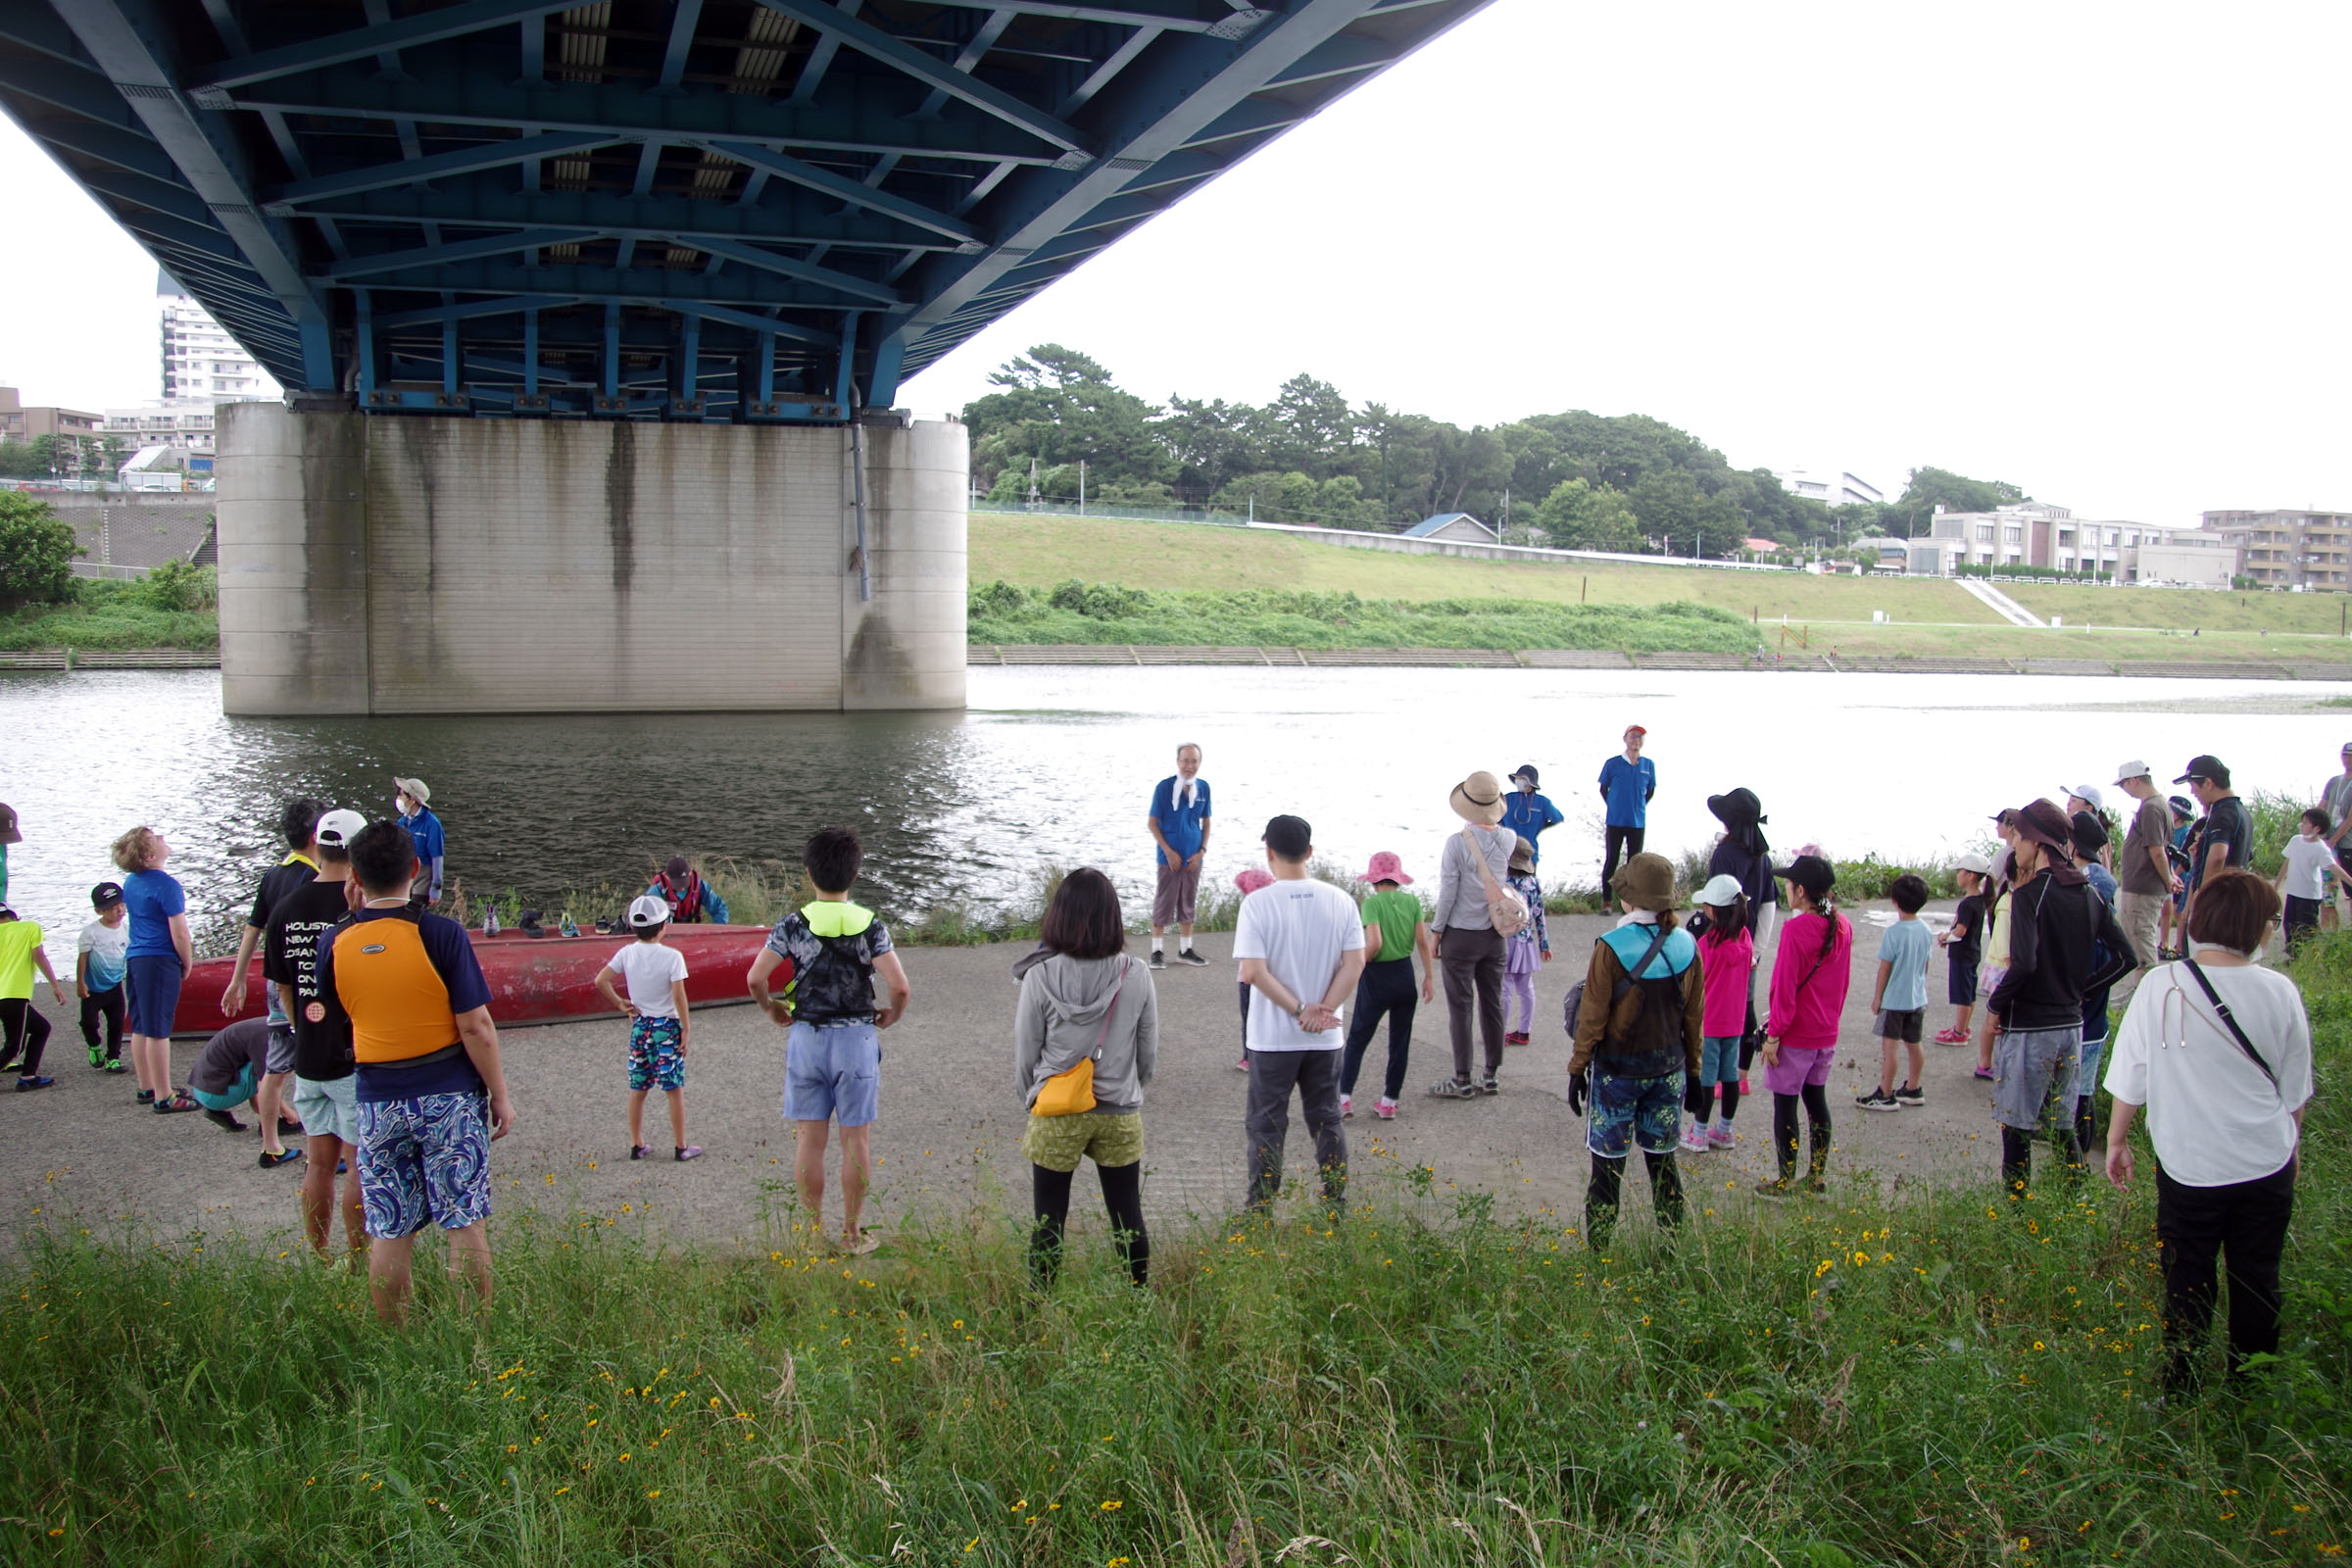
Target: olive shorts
[(1108, 1138)]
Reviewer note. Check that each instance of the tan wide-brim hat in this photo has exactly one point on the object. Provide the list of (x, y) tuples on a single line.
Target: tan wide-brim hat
[(1646, 882), (1478, 799), (414, 789)]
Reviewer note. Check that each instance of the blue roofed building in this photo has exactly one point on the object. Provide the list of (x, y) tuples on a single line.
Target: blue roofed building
[(1458, 527)]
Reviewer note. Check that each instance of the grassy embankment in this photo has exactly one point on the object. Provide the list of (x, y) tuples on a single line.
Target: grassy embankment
[(170, 608), (1939, 1378), (1930, 618)]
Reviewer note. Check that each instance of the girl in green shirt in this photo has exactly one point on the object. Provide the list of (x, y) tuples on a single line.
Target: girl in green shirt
[(1396, 927)]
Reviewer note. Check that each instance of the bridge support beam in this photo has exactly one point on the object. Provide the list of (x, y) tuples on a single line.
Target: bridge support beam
[(373, 564)]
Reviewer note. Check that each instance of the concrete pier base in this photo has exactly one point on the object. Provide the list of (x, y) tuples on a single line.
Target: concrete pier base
[(377, 564)]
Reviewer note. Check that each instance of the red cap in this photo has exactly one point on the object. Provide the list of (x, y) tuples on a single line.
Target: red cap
[(1636, 729)]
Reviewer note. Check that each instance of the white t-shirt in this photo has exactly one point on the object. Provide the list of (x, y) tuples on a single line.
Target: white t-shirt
[(109, 948), (1300, 929), (648, 967), (2305, 858), (2212, 1116)]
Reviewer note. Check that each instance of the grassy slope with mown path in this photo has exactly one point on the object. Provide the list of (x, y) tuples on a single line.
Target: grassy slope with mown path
[(1933, 618), (1937, 1378)]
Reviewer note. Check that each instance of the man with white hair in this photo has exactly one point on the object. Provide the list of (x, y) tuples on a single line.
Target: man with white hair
[(2144, 876), (1179, 826)]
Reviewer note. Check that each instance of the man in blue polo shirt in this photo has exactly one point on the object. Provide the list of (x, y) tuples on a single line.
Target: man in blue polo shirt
[(1178, 824), (1627, 783), (1527, 813), (424, 830)]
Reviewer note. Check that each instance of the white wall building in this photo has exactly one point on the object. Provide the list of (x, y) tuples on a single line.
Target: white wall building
[(1832, 487), (2034, 533), (202, 363)]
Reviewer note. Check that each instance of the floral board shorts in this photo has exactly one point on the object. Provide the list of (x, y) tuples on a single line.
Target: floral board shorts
[(426, 1158), (1110, 1138), (1627, 1111), (655, 1057)]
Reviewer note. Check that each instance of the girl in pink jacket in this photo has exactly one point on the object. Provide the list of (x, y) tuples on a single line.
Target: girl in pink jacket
[(1727, 958), (1809, 978)]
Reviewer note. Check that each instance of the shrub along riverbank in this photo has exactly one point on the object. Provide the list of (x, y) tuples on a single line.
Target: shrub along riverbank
[(171, 607), (1937, 1378)]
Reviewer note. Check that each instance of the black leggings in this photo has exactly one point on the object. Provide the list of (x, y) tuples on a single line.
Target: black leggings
[(2017, 1154), (1703, 1101), (1122, 1196), (27, 1035), (1601, 1196), (1387, 988), (1784, 1130)]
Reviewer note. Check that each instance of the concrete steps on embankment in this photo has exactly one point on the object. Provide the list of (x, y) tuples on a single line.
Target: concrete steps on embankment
[(1999, 603)]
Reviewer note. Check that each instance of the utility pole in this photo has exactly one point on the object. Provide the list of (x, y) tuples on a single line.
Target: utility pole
[(1082, 487), (1032, 478)]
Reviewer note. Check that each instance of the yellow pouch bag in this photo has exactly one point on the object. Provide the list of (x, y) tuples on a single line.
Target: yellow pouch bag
[(1071, 1091)]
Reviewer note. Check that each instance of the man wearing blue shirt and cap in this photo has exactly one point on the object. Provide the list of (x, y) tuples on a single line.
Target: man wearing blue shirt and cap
[(1527, 813), (1627, 783), (412, 800)]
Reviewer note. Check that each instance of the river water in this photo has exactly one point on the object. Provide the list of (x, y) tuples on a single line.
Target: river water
[(1054, 766)]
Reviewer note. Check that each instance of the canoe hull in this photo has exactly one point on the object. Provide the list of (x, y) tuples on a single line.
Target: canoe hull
[(533, 980)]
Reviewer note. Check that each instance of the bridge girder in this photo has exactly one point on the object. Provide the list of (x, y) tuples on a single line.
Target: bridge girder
[(762, 210)]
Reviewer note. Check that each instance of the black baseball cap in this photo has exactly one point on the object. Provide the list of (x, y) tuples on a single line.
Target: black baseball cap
[(1290, 837), (106, 895), (2206, 767)]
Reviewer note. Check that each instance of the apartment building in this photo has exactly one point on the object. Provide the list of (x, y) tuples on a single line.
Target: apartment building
[(202, 363), (1832, 487), (73, 429), (2034, 533), (2310, 549)]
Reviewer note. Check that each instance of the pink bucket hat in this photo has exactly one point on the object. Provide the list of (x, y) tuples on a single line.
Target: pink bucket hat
[(1253, 878), (1387, 868)]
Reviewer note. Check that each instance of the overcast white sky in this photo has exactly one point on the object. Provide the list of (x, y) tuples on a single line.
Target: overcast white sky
[(2093, 249)]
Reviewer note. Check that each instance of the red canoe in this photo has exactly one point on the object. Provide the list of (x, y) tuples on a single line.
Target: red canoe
[(533, 980)]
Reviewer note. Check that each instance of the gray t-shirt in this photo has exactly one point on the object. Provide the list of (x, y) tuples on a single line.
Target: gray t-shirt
[(2151, 829), (1461, 892)]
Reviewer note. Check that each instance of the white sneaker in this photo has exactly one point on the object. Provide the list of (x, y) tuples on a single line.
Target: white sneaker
[(1694, 1140)]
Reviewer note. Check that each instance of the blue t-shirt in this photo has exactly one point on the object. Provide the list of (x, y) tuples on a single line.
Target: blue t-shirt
[(150, 899), (1528, 815), (1179, 825), (1907, 946), (1627, 787)]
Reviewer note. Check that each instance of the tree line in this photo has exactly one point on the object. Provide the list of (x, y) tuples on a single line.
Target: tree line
[(1574, 480), (49, 456)]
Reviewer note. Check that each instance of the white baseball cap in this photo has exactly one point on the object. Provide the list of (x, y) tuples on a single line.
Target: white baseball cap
[(2089, 792), (2137, 768), (1721, 889), (1973, 861), (647, 910), (336, 828)]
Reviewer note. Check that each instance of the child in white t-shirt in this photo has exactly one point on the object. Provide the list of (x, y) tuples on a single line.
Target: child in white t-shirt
[(659, 1020), (2306, 859)]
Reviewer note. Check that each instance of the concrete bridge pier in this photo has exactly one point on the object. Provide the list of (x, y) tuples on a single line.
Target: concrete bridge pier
[(387, 565)]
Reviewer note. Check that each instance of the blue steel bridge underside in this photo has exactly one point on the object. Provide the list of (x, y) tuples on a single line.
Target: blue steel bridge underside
[(730, 211)]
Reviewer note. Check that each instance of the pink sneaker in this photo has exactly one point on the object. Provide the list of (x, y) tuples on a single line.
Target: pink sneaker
[(1744, 1091), (1385, 1108), (1694, 1140), (1347, 1107), (1720, 1137)]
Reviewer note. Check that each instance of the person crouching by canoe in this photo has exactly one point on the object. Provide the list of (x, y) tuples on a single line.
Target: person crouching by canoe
[(828, 951), (228, 1074), (659, 1022), (691, 900), (432, 1094), (1636, 1046)]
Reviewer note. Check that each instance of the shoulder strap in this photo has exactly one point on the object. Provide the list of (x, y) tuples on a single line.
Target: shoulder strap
[(1478, 858), (2230, 1021), (1634, 973)]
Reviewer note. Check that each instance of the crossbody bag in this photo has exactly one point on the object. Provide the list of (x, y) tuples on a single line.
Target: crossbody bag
[(2229, 1022), (1506, 912), (1071, 1091)]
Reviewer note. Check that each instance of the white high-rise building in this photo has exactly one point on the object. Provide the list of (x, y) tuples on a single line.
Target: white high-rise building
[(202, 363), (1833, 487)]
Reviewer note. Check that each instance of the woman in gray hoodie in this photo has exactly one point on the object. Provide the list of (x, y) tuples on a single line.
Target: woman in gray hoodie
[(1082, 999)]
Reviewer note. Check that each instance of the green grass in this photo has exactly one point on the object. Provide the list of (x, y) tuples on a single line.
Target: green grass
[(1037, 552), (1072, 612), (110, 626), (1937, 1378), (2186, 609)]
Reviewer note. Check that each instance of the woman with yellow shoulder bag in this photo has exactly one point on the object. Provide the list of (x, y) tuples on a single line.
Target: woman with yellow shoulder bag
[(1086, 1035)]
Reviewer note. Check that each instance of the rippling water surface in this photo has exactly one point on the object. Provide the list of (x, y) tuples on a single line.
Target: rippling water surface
[(1055, 765)]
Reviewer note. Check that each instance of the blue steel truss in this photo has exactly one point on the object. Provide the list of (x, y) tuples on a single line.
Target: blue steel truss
[(693, 210)]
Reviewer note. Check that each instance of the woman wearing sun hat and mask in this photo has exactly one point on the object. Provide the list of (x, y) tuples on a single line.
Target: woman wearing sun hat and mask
[(1469, 950)]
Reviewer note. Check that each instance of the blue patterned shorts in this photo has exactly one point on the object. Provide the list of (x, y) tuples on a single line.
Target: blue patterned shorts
[(656, 1059), (425, 1159), (1626, 1112)]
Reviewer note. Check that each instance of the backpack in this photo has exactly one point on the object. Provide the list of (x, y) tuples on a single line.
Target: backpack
[(1506, 910)]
